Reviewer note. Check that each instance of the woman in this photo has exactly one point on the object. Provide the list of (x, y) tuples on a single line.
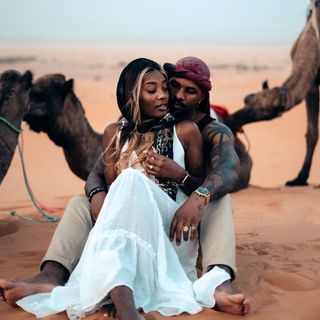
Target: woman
[(128, 256)]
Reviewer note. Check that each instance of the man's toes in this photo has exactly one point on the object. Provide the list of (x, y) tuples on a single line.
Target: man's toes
[(246, 306), (6, 285)]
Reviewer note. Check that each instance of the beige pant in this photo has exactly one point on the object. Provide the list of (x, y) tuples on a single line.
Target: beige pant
[(217, 237)]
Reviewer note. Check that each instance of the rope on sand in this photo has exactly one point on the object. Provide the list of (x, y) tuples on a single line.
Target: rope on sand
[(36, 203), (48, 217)]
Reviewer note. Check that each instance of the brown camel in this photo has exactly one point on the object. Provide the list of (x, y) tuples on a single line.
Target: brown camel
[(14, 90), (303, 83), (55, 109)]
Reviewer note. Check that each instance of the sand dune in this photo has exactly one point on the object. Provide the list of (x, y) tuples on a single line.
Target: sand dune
[(277, 228)]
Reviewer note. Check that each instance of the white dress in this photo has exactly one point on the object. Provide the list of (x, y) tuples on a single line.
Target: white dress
[(129, 246)]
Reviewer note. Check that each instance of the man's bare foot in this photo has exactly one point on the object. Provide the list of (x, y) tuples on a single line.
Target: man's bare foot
[(129, 315), (16, 290), (52, 275), (230, 301)]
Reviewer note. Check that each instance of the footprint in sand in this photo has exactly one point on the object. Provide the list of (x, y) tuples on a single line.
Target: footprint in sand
[(257, 248), (291, 281)]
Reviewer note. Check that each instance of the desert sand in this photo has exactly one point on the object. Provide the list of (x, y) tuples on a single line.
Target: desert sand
[(277, 228)]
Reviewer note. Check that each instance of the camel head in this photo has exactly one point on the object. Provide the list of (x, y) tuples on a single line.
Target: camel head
[(263, 105), (267, 102), (314, 14), (14, 94), (47, 102), (314, 4)]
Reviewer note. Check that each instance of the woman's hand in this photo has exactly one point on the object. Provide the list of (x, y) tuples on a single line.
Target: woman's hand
[(164, 167), (187, 219)]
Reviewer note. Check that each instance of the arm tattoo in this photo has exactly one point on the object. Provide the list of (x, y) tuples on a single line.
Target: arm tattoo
[(223, 161)]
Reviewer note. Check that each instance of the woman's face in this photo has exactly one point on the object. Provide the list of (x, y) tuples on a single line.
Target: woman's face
[(154, 96)]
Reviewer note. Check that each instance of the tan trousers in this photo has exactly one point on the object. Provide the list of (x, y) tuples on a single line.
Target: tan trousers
[(217, 237)]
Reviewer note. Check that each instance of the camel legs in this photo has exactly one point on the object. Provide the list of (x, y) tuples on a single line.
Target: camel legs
[(312, 104)]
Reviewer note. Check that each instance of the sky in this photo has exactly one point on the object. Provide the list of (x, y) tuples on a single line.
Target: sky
[(152, 21)]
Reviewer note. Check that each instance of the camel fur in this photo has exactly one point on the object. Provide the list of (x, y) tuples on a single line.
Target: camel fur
[(56, 110), (302, 83), (14, 91)]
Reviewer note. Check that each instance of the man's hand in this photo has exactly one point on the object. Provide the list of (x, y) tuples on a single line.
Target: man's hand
[(96, 204), (187, 216), (164, 167)]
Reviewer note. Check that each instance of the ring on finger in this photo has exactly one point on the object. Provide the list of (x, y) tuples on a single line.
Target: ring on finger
[(185, 229), (193, 228), (150, 166)]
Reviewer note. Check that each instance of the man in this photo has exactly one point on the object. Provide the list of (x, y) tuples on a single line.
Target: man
[(189, 84)]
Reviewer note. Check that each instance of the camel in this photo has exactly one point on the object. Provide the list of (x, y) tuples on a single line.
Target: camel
[(56, 110), (302, 83), (14, 91)]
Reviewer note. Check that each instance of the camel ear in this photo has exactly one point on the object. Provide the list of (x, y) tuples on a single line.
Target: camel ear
[(26, 79), (265, 85), (68, 86)]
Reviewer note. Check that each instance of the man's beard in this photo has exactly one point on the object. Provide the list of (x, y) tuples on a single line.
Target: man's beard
[(179, 109)]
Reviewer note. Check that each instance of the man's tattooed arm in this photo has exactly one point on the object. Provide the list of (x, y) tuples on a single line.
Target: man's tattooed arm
[(223, 166)]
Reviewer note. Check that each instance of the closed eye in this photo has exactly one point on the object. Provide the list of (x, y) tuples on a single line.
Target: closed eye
[(191, 91)]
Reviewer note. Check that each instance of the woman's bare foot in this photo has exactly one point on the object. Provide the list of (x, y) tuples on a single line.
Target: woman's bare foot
[(230, 301), (52, 275), (122, 298)]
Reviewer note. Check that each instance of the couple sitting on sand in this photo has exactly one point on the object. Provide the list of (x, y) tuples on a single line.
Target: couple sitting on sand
[(133, 242)]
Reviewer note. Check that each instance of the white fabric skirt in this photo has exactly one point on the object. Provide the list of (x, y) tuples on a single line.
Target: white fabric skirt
[(129, 246)]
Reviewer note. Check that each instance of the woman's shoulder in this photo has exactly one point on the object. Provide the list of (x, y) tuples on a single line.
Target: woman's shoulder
[(112, 127), (186, 127), (187, 132)]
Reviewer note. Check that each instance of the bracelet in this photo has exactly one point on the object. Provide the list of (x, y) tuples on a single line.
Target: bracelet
[(185, 178), (95, 191)]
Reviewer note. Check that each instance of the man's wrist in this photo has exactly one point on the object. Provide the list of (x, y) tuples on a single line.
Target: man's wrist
[(203, 193), (94, 191)]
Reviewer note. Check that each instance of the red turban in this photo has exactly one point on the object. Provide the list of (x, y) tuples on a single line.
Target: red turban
[(196, 70)]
